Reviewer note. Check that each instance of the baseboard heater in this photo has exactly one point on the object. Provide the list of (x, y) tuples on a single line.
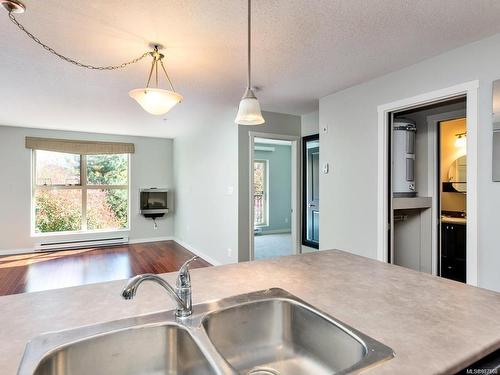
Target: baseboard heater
[(68, 245)]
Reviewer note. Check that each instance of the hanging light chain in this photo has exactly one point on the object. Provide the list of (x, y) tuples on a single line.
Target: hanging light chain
[(70, 60)]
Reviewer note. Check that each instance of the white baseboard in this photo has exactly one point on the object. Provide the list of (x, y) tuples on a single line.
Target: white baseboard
[(34, 249), (17, 251), (198, 252), (150, 239)]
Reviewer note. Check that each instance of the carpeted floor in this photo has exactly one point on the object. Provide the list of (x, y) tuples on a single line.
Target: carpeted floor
[(272, 245)]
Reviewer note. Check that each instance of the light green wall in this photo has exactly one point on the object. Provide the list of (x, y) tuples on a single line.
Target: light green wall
[(279, 185)]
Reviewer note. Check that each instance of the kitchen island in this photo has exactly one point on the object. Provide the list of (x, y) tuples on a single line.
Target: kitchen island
[(434, 325)]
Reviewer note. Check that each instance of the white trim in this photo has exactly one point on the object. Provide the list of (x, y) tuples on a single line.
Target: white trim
[(296, 187), (150, 239), (35, 249), (197, 252), (470, 90), (88, 233), (26, 250), (268, 141)]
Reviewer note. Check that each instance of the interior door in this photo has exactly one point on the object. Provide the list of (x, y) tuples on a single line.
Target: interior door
[(311, 191)]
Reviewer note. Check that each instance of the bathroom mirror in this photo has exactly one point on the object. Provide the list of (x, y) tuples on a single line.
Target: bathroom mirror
[(457, 174), (496, 131)]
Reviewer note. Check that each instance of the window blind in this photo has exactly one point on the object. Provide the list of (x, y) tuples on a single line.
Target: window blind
[(79, 147)]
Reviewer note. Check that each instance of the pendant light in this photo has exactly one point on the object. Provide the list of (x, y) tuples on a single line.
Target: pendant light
[(249, 110), (155, 100)]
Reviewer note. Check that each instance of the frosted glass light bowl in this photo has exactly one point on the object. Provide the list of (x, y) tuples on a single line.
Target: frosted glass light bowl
[(156, 101), (249, 112)]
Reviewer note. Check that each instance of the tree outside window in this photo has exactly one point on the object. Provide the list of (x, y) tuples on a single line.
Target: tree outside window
[(80, 192)]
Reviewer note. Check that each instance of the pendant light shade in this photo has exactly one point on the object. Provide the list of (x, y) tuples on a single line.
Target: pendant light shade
[(155, 101), (249, 112)]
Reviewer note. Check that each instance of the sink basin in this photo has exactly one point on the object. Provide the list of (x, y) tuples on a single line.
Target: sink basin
[(283, 336), (166, 349), (269, 332)]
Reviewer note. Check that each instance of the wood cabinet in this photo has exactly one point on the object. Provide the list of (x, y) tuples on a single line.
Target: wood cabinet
[(453, 250)]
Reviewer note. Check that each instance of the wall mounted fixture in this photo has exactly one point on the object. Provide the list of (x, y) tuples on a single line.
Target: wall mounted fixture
[(249, 110), (461, 140), (153, 100)]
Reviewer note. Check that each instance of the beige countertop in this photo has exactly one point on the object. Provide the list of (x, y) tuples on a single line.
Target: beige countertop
[(434, 325), (453, 220)]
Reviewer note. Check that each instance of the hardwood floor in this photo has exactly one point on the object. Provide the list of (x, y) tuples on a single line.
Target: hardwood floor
[(52, 270)]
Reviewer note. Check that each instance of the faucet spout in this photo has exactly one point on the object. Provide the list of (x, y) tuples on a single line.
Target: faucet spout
[(133, 284), (181, 295)]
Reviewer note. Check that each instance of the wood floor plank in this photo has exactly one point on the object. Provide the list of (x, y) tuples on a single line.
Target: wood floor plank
[(44, 271)]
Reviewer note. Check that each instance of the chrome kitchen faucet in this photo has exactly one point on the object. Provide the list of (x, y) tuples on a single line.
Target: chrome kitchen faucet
[(181, 294)]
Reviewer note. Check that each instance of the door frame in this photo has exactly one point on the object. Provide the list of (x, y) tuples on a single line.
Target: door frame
[(303, 216), (296, 211), (470, 90)]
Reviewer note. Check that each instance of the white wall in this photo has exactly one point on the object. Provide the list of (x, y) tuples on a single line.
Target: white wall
[(206, 176), (310, 123), (151, 165), (349, 192), (276, 123)]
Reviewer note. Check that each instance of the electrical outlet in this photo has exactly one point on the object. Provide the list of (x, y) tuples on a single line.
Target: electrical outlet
[(230, 253)]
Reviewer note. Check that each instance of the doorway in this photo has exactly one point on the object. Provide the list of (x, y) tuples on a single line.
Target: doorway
[(424, 196), (273, 196), (452, 188), (310, 189)]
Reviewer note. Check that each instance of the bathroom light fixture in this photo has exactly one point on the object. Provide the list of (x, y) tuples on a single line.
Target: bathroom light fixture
[(153, 100), (249, 110), (461, 140)]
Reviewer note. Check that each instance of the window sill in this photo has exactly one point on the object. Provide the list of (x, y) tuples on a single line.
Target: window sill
[(79, 233)]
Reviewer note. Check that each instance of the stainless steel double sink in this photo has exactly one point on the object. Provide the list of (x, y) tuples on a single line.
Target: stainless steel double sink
[(269, 332)]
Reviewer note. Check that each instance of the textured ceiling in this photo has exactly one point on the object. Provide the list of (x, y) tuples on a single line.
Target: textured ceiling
[(303, 50)]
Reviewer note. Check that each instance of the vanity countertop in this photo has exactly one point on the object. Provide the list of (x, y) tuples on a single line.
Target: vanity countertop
[(453, 220), (434, 325)]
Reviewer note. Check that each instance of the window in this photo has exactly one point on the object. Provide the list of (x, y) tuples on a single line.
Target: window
[(79, 193), (260, 192)]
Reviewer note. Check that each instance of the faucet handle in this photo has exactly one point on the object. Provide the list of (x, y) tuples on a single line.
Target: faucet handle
[(183, 278)]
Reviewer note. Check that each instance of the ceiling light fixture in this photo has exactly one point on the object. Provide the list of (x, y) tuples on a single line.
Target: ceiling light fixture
[(461, 140), (153, 100), (249, 110)]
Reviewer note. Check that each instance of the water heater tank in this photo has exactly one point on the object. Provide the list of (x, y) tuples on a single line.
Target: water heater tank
[(403, 158)]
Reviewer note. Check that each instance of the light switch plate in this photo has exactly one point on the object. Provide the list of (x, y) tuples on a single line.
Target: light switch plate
[(326, 168)]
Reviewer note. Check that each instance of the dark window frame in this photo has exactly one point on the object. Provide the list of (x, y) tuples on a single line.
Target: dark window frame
[(305, 241)]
